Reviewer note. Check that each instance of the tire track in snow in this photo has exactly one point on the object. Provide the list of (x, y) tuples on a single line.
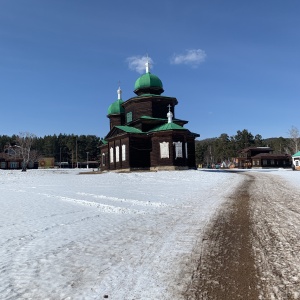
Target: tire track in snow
[(21, 246), (179, 231), (27, 264), (101, 207), (124, 200)]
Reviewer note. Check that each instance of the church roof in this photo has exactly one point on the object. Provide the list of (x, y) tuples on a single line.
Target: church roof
[(116, 108), (168, 126), (148, 80), (296, 154), (151, 118), (162, 119), (119, 129), (148, 83), (129, 129)]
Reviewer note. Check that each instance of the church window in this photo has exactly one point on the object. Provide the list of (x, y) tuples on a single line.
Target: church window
[(123, 152), (103, 159), (164, 150), (129, 117), (117, 154), (186, 150), (111, 154), (178, 149)]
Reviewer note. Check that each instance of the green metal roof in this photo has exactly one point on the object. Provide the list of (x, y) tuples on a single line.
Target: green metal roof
[(162, 119), (116, 108), (129, 129), (148, 80), (296, 154), (168, 126), (151, 118)]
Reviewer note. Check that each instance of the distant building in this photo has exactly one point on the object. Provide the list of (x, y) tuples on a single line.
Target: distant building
[(144, 133), (296, 161), (262, 157), (46, 162), (11, 158)]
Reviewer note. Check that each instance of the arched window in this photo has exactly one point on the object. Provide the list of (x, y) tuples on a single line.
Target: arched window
[(123, 152), (164, 150), (117, 153), (178, 149), (186, 150), (111, 154)]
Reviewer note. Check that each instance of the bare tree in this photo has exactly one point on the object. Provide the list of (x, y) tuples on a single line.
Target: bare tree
[(295, 138), (25, 141)]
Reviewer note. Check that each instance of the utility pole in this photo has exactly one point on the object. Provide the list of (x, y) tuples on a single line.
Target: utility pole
[(76, 154)]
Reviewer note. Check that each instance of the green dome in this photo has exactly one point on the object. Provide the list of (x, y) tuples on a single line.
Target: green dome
[(116, 108), (148, 80)]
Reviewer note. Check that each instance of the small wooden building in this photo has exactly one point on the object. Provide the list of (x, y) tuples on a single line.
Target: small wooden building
[(11, 159), (144, 133), (296, 161), (262, 157)]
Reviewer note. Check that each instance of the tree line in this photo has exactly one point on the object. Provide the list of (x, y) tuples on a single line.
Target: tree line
[(225, 147), (63, 147), (74, 148)]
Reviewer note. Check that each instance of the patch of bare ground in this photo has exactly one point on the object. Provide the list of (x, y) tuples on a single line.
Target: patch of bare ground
[(226, 267)]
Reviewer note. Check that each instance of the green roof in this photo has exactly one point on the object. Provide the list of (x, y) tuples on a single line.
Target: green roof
[(116, 108), (129, 129), (168, 126), (162, 119), (296, 154), (151, 118), (148, 80)]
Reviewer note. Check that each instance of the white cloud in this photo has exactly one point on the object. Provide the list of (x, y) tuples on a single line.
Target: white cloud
[(192, 57), (137, 63)]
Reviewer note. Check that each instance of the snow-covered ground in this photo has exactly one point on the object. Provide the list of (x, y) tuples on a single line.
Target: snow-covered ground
[(127, 236)]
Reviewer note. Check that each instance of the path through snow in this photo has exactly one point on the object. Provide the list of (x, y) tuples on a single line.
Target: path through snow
[(276, 238), (251, 248)]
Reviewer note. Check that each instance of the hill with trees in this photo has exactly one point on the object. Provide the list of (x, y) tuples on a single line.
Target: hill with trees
[(74, 148), (225, 147), (63, 147)]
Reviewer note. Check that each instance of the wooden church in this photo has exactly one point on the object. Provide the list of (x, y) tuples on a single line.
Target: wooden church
[(144, 132)]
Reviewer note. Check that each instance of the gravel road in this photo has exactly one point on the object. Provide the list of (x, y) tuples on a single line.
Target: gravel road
[(250, 250)]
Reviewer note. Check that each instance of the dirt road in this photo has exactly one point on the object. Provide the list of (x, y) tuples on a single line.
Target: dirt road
[(250, 249)]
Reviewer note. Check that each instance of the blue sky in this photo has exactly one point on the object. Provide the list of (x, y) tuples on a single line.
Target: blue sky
[(232, 65)]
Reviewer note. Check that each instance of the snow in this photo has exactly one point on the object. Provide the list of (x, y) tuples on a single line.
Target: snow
[(128, 235)]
